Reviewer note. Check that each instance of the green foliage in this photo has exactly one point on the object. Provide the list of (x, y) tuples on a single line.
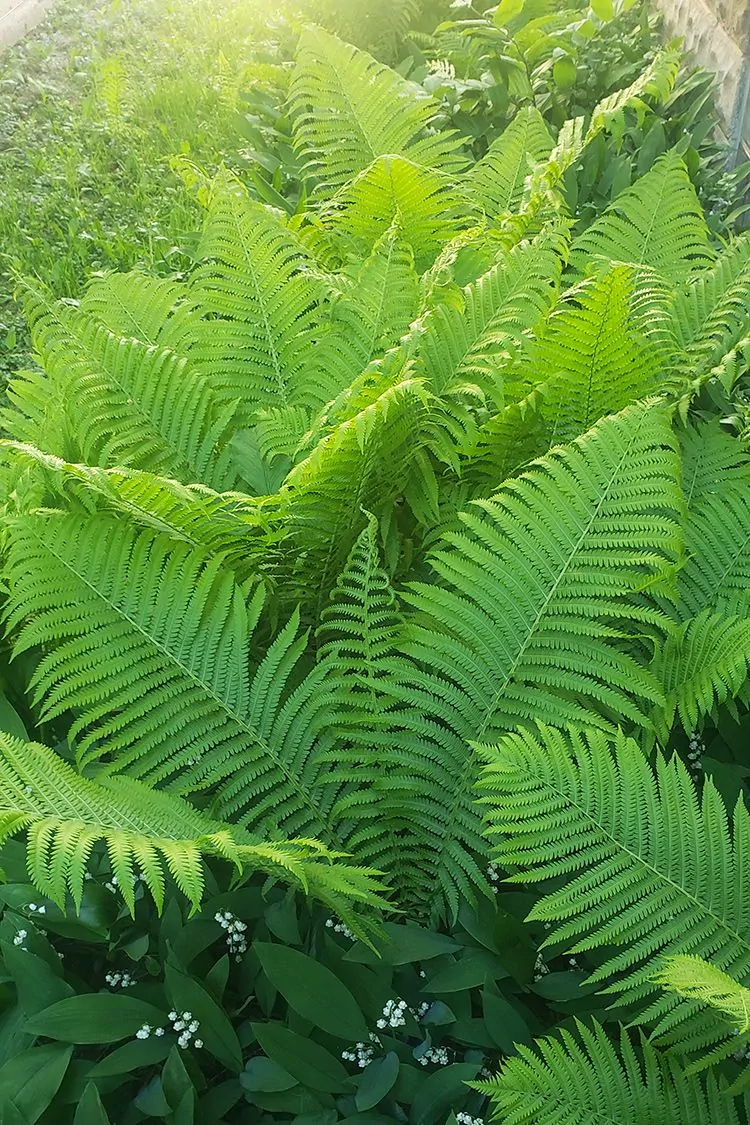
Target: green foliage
[(419, 454)]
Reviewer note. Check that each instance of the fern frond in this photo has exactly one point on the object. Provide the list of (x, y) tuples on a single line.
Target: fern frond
[(362, 462), (136, 306), (701, 664), (232, 525), (257, 304), (692, 978), (710, 313), (527, 619), (650, 869), (716, 574), (147, 643), (423, 202), (582, 1078), (466, 342), (496, 182), (129, 403), (655, 83), (507, 442), (592, 354), (347, 110), (371, 317), (657, 223), (65, 815)]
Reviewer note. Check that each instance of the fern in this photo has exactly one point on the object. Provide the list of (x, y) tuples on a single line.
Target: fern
[(526, 619), (592, 355), (110, 599), (256, 305), (702, 664), (710, 312), (496, 182), (65, 815), (582, 1078), (347, 110), (692, 978), (127, 402), (657, 223), (652, 870), (393, 189), (367, 319)]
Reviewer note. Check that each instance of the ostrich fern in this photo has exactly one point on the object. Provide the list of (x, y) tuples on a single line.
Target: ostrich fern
[(380, 480)]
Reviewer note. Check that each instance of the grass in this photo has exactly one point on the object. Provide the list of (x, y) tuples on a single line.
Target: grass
[(93, 107)]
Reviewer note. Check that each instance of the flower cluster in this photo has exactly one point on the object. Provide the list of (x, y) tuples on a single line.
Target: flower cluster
[(235, 931), (437, 1055), (34, 909), (187, 1028), (494, 877), (119, 980), (394, 1014), (695, 752), (20, 938), (145, 1030), (339, 928), (466, 1119), (363, 1053)]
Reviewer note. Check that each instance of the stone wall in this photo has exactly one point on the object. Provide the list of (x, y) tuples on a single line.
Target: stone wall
[(717, 34), (19, 16)]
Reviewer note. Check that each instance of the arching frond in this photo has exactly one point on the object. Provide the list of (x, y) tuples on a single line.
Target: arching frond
[(658, 223), (525, 620), (584, 1079), (347, 110), (716, 574), (256, 305), (692, 978), (702, 663), (65, 815), (651, 869), (127, 402), (363, 462), (136, 305), (592, 354), (393, 189), (467, 341), (370, 317), (507, 442), (496, 182), (232, 525), (710, 312), (147, 642)]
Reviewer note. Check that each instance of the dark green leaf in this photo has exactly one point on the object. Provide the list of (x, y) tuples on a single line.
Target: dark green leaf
[(90, 1109), (469, 972), (441, 1091), (175, 1079), (131, 1056), (151, 1100), (266, 1075), (559, 986), (504, 1023), (30, 1081), (281, 919), (438, 1015), (377, 1080), (10, 721), (313, 991), (405, 944), (95, 1018), (37, 985), (307, 1061)]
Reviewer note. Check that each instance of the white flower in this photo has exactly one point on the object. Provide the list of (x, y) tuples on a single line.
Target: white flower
[(198, 1043), (381, 1024), (159, 1031), (173, 1015)]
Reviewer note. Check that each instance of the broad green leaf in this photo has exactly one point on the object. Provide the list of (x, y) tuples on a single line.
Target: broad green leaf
[(469, 972), (10, 721), (37, 985), (560, 986), (505, 1025), (151, 1100), (440, 1091), (604, 9), (95, 1018), (175, 1079), (313, 991), (30, 1081), (377, 1080), (266, 1075), (405, 944), (311, 1064), (131, 1056), (90, 1110), (564, 73)]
